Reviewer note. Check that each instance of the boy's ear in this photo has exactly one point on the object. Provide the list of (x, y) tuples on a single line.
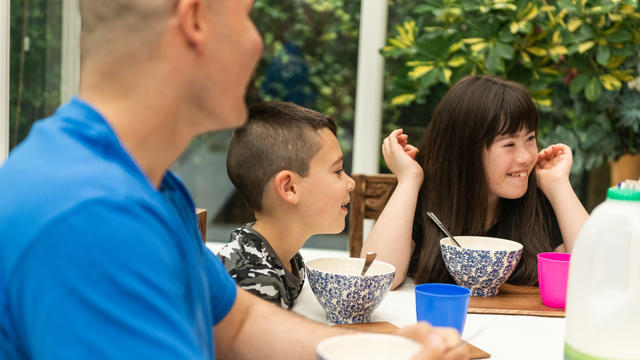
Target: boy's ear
[(285, 183)]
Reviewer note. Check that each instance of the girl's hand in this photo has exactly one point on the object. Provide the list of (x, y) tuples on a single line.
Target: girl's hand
[(553, 166), (400, 157)]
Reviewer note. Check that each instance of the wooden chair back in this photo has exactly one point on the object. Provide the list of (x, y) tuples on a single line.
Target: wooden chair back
[(201, 215), (367, 201)]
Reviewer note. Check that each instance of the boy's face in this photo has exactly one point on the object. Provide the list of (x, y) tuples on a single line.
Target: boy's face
[(324, 192)]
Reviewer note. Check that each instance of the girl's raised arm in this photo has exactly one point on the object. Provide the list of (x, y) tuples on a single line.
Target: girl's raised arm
[(552, 169), (391, 235)]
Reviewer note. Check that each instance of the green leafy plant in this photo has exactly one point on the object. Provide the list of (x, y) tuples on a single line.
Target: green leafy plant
[(577, 57), (310, 55), (35, 32)]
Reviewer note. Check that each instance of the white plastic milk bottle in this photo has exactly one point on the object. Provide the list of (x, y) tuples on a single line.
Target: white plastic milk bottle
[(603, 295)]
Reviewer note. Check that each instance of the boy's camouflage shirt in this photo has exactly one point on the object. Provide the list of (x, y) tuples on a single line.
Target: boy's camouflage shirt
[(256, 267)]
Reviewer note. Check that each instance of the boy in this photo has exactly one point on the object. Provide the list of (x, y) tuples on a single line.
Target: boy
[(287, 164)]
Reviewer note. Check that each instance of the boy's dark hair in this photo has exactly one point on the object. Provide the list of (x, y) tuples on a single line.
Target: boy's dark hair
[(278, 136)]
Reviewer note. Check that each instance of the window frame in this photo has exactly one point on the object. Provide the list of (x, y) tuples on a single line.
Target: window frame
[(5, 9), (70, 71)]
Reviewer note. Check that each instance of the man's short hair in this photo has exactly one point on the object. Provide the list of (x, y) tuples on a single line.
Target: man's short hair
[(106, 24), (278, 136)]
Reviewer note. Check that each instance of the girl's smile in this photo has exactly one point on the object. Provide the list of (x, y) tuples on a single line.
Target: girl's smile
[(508, 162)]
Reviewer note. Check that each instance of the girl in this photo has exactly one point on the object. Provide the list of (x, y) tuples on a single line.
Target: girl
[(483, 175)]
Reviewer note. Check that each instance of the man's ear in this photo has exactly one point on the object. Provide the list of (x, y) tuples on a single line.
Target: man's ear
[(191, 20), (286, 185)]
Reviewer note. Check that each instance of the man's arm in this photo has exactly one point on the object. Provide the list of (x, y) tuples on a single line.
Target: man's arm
[(255, 328)]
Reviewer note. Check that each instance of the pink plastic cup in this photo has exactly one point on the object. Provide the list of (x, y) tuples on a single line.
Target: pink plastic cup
[(553, 271)]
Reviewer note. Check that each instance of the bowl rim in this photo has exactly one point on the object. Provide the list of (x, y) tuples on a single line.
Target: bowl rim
[(518, 245), (348, 338), (391, 271)]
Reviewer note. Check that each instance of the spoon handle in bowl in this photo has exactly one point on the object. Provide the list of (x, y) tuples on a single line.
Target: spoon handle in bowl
[(367, 262), (437, 221)]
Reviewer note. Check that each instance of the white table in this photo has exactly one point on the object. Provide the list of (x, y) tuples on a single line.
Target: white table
[(505, 337)]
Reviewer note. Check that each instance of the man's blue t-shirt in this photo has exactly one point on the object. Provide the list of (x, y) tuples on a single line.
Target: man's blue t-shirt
[(94, 261)]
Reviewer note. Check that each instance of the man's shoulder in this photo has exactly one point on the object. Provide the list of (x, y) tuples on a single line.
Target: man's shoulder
[(42, 186), (62, 166), (94, 221), (31, 206)]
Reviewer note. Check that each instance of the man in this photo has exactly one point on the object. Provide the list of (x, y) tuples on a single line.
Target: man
[(99, 251)]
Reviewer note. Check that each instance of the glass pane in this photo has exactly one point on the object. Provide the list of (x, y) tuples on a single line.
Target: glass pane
[(310, 58), (34, 64)]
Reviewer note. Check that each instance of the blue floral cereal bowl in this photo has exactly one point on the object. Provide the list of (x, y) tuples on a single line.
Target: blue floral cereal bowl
[(482, 264), (345, 295)]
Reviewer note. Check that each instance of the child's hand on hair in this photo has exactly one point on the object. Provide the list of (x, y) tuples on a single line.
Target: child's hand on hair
[(553, 166), (400, 157)]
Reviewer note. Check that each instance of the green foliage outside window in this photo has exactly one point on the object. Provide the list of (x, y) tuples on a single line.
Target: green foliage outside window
[(310, 55), (579, 58), (35, 35)]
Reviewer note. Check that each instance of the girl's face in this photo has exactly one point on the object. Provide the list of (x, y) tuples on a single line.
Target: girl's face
[(508, 162)]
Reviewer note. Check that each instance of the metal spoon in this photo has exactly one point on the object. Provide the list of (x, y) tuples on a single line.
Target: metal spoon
[(437, 221), (367, 262)]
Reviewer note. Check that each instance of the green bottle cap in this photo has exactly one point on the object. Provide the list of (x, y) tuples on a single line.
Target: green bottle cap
[(617, 193)]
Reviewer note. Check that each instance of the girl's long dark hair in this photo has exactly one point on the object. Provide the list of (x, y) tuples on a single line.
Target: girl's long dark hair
[(469, 117)]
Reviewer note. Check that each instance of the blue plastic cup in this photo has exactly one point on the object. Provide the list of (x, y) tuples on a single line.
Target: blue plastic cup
[(442, 304)]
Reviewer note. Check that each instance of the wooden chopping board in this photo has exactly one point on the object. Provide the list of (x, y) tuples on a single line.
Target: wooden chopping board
[(385, 327), (513, 300)]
